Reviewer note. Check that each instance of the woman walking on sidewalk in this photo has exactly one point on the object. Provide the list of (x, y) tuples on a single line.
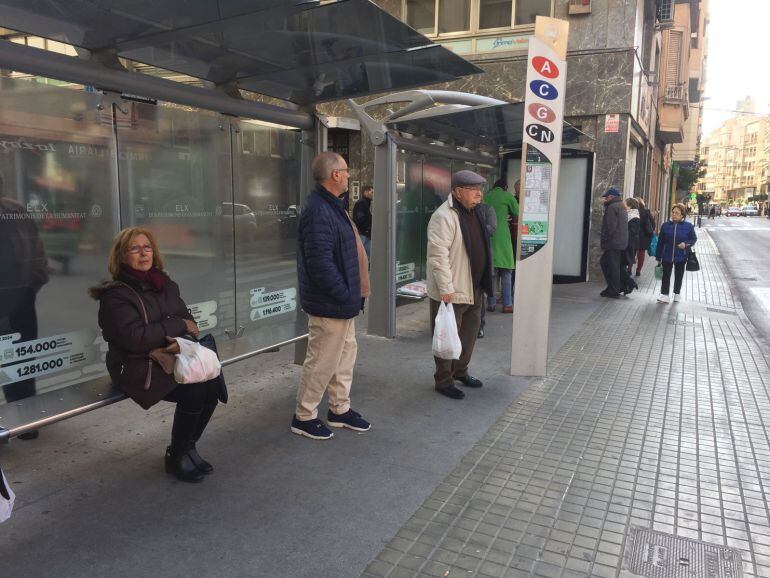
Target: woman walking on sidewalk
[(646, 231), (674, 242)]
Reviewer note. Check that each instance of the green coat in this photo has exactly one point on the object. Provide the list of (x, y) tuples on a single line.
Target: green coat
[(504, 203)]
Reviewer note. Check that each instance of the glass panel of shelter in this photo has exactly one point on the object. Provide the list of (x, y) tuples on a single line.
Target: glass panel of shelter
[(73, 174), (268, 165), (175, 173), (58, 215)]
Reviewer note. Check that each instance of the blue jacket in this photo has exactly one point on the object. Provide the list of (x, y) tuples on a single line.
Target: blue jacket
[(671, 234), (327, 258)]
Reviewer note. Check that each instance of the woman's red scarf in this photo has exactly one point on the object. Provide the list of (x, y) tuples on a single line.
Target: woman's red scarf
[(154, 276)]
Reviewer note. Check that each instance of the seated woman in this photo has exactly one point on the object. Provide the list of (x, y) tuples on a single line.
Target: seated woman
[(140, 310)]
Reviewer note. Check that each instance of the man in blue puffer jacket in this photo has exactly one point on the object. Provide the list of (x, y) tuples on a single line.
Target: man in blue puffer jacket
[(333, 283), (674, 242)]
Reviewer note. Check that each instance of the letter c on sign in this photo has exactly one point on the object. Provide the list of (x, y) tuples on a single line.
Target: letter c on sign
[(543, 89), (545, 67), (541, 112)]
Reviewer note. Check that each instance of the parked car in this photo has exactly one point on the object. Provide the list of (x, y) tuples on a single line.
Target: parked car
[(733, 212), (749, 211), (245, 220)]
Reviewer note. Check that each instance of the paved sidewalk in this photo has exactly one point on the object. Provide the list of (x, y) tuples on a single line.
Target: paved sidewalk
[(652, 417)]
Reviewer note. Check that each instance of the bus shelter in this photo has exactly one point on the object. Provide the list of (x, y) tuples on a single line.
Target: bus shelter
[(88, 147), (418, 147)]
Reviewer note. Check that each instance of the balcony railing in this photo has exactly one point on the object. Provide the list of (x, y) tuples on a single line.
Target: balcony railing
[(676, 94)]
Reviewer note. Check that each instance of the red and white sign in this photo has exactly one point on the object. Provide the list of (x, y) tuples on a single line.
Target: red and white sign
[(612, 123)]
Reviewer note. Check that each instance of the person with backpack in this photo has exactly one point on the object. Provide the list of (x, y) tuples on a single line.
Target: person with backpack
[(646, 233), (675, 239)]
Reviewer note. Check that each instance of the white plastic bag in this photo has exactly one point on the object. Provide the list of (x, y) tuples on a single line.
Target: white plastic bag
[(6, 498), (195, 363), (446, 341)]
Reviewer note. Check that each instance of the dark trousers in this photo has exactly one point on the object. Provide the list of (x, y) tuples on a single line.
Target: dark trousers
[(18, 309), (468, 319), (194, 397), (611, 262), (678, 276)]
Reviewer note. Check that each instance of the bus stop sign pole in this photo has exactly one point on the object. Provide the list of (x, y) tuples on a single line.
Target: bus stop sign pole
[(540, 157)]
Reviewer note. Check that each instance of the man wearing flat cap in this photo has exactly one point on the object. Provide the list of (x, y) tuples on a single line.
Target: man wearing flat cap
[(614, 240), (459, 272)]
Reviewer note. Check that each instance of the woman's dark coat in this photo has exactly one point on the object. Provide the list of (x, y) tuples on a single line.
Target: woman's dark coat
[(130, 339), (646, 228), (671, 234), (633, 240)]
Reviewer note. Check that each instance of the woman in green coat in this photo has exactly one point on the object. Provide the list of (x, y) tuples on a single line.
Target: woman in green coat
[(505, 205)]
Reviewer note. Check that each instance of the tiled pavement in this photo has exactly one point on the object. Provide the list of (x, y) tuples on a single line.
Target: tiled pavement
[(651, 416)]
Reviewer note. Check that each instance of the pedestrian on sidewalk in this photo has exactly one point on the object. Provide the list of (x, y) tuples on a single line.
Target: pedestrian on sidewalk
[(333, 275), (489, 220), (632, 211), (140, 311), (646, 232), (362, 217), (675, 239), (614, 241), (459, 272), (505, 207)]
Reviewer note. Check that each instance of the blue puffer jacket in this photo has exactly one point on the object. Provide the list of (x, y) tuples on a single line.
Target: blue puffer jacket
[(327, 258), (671, 234)]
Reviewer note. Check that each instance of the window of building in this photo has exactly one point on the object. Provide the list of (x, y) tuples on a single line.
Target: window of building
[(454, 16), (421, 15), (437, 17)]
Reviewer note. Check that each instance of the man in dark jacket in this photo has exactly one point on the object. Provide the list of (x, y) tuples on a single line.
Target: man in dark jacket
[(333, 279), (614, 240), (362, 217)]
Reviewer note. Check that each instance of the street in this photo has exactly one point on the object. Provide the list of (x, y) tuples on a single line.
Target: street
[(744, 243)]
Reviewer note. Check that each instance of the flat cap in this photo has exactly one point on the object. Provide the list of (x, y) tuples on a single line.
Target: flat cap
[(611, 192), (467, 179)]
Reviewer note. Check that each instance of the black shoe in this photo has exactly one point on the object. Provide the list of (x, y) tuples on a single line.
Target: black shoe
[(178, 459), (30, 435), (451, 391), (350, 419), (605, 292), (183, 467), (491, 308), (203, 466), (610, 295), (638, 273), (481, 333), (469, 381), (314, 429)]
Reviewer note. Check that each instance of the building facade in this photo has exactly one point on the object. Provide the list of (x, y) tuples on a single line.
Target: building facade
[(628, 78), (737, 161)]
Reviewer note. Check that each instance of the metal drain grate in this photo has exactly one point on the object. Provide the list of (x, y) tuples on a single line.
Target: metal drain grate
[(652, 554)]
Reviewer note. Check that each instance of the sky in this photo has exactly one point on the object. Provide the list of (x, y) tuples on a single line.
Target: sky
[(738, 61)]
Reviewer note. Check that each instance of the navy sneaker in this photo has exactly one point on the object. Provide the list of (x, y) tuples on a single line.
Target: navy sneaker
[(350, 419), (314, 429)]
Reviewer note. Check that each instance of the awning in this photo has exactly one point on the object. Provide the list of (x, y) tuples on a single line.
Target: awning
[(295, 50), (488, 128)]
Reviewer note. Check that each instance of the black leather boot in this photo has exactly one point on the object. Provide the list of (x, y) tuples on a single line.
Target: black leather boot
[(203, 421), (178, 459)]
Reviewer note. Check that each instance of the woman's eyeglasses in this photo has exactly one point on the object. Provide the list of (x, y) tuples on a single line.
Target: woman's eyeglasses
[(136, 249)]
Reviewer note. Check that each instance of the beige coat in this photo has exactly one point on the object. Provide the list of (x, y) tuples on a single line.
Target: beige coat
[(449, 268)]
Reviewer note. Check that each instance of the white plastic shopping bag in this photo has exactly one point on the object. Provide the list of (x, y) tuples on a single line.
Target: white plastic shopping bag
[(195, 363), (446, 341), (6, 498)]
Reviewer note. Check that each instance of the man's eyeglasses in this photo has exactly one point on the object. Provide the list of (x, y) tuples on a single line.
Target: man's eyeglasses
[(136, 249), (346, 170)]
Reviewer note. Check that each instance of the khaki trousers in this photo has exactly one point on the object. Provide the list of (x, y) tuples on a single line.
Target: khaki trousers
[(331, 355), (468, 318)]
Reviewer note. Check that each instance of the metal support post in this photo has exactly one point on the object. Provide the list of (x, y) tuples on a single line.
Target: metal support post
[(382, 305)]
